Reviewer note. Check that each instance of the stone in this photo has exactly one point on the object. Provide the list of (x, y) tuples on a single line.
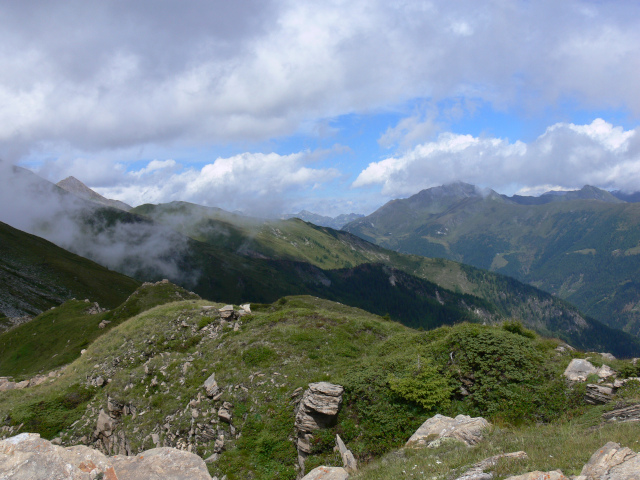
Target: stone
[(612, 463), (605, 371), (327, 473), (218, 445), (463, 428), (105, 424), (627, 413), (579, 369), (246, 307), (319, 406), (607, 356), (348, 460), (537, 475), (598, 394), (27, 457), (224, 412)]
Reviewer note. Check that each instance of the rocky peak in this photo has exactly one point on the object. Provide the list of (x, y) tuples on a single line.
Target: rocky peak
[(79, 189)]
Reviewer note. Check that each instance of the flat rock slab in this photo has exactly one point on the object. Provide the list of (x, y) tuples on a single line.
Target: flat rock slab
[(464, 428), (28, 457), (327, 473)]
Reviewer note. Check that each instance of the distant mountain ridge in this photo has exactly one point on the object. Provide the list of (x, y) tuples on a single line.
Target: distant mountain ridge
[(323, 221), (76, 187), (583, 246)]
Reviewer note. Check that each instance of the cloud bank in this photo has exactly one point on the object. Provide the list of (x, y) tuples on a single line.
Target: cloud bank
[(565, 155)]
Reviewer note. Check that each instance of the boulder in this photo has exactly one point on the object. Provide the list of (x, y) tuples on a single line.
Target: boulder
[(327, 473), (579, 369), (605, 371), (211, 386), (348, 460), (224, 412), (319, 406), (27, 457), (537, 475), (463, 428), (598, 394), (612, 463)]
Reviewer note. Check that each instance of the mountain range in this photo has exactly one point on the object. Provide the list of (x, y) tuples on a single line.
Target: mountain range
[(225, 256), (582, 246)]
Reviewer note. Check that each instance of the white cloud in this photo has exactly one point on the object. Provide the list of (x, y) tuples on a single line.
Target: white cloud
[(255, 183), (566, 155), (143, 72)]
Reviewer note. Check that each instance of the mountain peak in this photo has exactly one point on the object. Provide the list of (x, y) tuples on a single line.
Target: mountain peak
[(76, 187)]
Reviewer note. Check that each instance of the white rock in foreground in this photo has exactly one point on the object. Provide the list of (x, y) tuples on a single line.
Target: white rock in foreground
[(29, 457), (464, 428)]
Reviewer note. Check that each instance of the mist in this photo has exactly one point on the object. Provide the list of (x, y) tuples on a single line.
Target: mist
[(119, 241)]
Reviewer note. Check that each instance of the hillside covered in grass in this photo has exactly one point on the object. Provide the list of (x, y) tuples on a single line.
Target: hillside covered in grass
[(36, 275), (148, 374)]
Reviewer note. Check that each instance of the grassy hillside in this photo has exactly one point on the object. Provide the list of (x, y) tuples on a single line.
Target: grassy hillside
[(241, 258), (584, 251), (156, 362), (57, 336), (36, 275)]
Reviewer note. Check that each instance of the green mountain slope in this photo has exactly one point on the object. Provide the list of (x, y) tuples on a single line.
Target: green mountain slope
[(56, 337), (153, 366), (225, 257), (244, 258), (583, 247), (36, 275)]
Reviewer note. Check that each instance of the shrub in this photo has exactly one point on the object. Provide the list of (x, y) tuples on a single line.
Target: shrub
[(423, 385)]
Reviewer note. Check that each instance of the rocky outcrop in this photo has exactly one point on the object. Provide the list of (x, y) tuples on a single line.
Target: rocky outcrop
[(611, 463), (27, 457), (463, 428), (318, 408), (625, 413), (327, 473)]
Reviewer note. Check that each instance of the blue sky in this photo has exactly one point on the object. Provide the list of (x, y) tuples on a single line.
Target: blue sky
[(270, 107)]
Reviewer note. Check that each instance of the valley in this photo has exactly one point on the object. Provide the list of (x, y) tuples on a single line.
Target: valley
[(580, 246)]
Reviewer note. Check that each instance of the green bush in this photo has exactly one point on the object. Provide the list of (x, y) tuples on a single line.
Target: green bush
[(423, 385), (516, 327), (505, 374)]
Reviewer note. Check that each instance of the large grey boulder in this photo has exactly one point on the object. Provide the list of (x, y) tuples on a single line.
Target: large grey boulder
[(327, 473), (612, 463), (28, 457), (579, 369), (463, 428)]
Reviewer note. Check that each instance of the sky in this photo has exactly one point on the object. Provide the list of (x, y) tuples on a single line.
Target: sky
[(269, 107)]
